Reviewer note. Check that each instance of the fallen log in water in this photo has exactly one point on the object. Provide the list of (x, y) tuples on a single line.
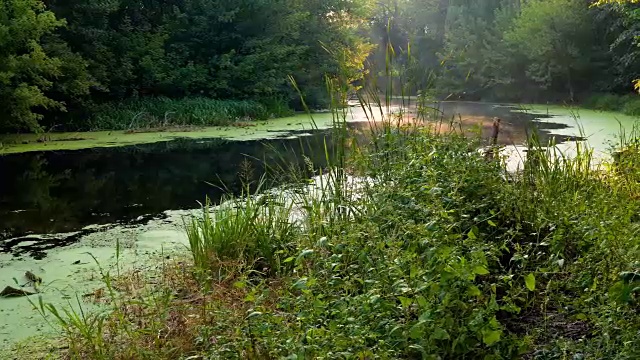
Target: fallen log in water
[(13, 292)]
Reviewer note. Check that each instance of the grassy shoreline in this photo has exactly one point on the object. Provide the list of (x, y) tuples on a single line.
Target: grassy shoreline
[(165, 112), (22, 143), (438, 257), (255, 130)]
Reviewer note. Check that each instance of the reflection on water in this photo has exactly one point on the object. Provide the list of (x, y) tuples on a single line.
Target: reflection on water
[(53, 192), (470, 116), (516, 124), (65, 191)]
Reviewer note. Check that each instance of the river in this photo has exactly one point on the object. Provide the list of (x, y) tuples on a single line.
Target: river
[(59, 204)]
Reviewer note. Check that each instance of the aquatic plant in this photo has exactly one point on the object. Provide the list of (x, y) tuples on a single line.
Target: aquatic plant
[(255, 230)]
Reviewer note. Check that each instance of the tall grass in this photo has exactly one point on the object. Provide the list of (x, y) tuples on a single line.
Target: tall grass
[(162, 112), (257, 230)]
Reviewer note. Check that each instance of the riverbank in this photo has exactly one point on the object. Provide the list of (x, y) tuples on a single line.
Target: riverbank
[(626, 104), (597, 127), (283, 127), (439, 256)]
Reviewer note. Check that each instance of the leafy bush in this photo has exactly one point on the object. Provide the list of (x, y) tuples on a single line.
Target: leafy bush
[(446, 260), (605, 102), (277, 107), (255, 231), (632, 107), (443, 255), (628, 104)]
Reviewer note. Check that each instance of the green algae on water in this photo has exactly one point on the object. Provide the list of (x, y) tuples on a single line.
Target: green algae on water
[(22, 143), (600, 128)]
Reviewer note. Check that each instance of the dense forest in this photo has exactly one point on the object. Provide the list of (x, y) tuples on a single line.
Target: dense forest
[(73, 65)]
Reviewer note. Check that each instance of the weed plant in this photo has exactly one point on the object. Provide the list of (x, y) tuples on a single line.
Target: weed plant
[(257, 230)]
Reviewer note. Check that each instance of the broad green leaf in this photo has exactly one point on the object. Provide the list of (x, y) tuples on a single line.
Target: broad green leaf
[(472, 235), (417, 331), (426, 316), (491, 223), (530, 281), (250, 297), (480, 270), (304, 254), (422, 302), (490, 337), (440, 334), (473, 291), (301, 283), (405, 301)]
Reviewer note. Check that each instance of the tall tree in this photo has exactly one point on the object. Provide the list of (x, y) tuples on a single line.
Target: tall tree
[(470, 43), (215, 48), (555, 36), (630, 34), (26, 71)]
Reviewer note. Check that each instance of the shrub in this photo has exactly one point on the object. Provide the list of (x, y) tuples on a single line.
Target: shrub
[(605, 102), (256, 231), (277, 107), (440, 257), (627, 104), (632, 107)]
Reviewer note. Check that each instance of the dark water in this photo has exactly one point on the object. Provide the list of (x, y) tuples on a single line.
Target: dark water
[(65, 191)]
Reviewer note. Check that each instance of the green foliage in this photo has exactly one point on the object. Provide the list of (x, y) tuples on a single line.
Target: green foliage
[(439, 254), (605, 102), (256, 231), (477, 59), (110, 51), (632, 107), (71, 56), (444, 259), (628, 104), (552, 34), (220, 49), (26, 71), (510, 50), (163, 112)]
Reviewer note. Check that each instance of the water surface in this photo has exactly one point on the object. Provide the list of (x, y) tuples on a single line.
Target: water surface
[(69, 191), (65, 191)]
